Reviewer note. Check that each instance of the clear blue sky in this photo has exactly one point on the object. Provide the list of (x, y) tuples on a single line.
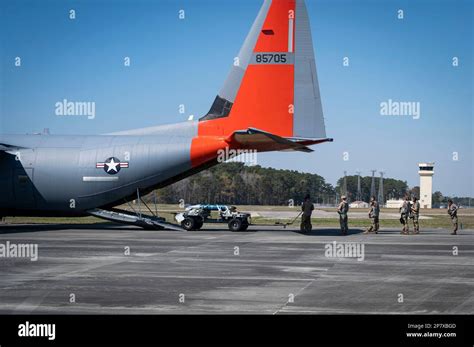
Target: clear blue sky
[(177, 62)]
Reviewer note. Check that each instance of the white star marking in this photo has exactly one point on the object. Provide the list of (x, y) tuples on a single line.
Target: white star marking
[(112, 165)]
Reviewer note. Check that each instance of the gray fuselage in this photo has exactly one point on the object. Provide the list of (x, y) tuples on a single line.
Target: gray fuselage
[(67, 175)]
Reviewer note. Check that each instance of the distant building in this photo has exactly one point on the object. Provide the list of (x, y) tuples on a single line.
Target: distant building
[(359, 204), (425, 170), (392, 203)]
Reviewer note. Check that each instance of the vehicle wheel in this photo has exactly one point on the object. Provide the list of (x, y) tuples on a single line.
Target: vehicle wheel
[(235, 224), (198, 224), (244, 227), (188, 223)]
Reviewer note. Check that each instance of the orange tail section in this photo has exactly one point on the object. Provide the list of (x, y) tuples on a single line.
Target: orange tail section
[(271, 97)]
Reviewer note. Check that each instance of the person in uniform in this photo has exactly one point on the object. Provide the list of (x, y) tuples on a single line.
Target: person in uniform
[(374, 216), (405, 211), (342, 209), (415, 214), (307, 208), (453, 213)]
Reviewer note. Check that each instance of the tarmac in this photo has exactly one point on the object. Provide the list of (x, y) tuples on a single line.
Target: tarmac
[(109, 269)]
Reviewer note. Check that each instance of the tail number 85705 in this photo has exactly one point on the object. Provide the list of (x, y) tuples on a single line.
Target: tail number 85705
[(266, 58)]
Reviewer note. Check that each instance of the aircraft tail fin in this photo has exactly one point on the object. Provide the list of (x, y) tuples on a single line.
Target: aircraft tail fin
[(273, 83)]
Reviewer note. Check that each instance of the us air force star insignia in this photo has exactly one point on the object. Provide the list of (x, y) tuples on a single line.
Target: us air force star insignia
[(112, 165)]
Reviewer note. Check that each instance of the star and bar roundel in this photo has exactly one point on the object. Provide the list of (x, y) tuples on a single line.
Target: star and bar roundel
[(112, 165)]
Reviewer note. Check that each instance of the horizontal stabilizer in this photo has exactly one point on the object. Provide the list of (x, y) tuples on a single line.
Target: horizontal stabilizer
[(264, 141)]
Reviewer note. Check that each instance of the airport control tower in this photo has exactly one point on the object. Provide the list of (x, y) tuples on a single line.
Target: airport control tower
[(426, 171)]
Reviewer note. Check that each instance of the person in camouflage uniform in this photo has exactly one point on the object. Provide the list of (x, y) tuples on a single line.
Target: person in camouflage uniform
[(374, 216), (405, 212), (307, 209), (453, 213), (415, 214), (343, 209)]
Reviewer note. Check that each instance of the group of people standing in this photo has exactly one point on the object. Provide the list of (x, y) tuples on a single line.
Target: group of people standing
[(410, 210)]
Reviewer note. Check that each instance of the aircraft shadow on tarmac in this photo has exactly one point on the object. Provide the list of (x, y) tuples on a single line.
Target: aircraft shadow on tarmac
[(29, 228)]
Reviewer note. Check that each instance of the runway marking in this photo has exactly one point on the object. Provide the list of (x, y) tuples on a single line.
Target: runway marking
[(296, 295), (31, 303)]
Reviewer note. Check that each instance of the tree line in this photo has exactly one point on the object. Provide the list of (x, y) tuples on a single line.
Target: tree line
[(439, 200), (238, 184)]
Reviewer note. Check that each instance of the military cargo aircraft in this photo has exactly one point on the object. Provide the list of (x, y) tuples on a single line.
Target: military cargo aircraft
[(270, 101)]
